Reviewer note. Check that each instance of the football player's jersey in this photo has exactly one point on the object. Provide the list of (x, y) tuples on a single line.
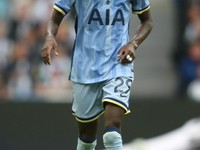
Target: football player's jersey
[(102, 30)]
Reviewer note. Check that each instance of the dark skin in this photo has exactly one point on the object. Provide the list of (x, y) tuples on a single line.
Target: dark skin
[(113, 115)]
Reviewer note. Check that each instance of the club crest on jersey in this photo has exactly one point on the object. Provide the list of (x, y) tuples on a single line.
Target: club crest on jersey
[(96, 16)]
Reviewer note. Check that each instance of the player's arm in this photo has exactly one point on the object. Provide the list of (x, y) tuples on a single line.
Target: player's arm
[(50, 33), (142, 32)]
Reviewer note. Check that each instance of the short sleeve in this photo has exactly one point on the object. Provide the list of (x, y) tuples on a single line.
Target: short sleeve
[(140, 6), (63, 6)]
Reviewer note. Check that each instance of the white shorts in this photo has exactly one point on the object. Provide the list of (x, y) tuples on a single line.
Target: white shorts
[(89, 99)]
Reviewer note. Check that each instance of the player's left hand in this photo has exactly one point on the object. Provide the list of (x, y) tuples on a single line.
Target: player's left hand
[(128, 53)]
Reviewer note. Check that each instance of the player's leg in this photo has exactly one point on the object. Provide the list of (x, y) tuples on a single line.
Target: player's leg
[(88, 130), (87, 107), (113, 116), (87, 138), (112, 127), (116, 104)]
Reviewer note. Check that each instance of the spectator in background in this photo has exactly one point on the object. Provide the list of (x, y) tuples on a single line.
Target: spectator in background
[(180, 25), (19, 83), (19, 20), (189, 67), (189, 61), (21, 39), (6, 51), (192, 31)]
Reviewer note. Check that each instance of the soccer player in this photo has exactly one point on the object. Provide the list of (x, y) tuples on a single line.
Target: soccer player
[(102, 63)]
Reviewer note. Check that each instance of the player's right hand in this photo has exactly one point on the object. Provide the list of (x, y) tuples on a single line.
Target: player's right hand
[(50, 43), (127, 50)]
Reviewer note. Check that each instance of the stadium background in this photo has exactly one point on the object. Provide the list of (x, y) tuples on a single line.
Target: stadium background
[(35, 100)]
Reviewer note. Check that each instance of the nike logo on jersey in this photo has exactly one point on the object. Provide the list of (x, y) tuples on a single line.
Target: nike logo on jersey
[(96, 16)]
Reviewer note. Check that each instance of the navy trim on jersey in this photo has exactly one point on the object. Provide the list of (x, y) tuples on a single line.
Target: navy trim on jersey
[(76, 24), (72, 58), (141, 9), (61, 8)]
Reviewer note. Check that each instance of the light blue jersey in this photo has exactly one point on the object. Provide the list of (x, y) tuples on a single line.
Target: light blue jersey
[(102, 28)]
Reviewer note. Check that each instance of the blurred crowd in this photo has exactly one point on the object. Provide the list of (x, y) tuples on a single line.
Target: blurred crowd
[(187, 50), (23, 75)]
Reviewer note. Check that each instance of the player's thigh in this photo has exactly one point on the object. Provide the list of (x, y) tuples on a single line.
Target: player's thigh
[(87, 102), (116, 100), (117, 92), (113, 116)]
